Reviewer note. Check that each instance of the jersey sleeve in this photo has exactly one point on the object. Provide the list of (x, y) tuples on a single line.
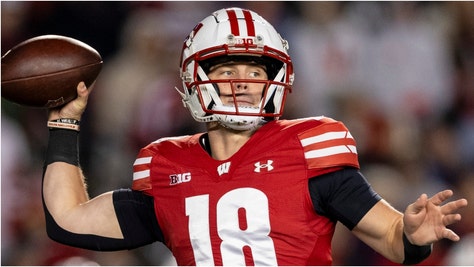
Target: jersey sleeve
[(343, 195), (141, 171), (136, 215), (329, 145)]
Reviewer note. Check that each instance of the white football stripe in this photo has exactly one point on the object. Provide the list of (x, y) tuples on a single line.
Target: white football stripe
[(324, 152), (141, 174), (325, 137), (141, 161)]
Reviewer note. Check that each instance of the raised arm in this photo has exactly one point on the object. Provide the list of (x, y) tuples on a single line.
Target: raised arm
[(407, 238), (64, 189)]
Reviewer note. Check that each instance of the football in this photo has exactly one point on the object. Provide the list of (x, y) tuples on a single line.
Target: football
[(44, 71)]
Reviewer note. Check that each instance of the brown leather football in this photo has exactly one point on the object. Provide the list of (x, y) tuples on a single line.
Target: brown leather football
[(44, 71)]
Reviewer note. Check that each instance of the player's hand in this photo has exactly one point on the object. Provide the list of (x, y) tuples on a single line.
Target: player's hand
[(426, 219), (73, 109)]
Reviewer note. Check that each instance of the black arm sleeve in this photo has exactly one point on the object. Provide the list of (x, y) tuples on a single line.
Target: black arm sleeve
[(136, 217), (91, 242), (344, 196)]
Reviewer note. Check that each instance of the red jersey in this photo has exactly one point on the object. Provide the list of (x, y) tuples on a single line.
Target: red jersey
[(253, 208)]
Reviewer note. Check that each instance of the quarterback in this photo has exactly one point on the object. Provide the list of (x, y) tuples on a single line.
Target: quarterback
[(253, 189)]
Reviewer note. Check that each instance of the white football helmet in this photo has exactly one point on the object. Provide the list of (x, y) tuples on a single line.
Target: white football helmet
[(242, 35)]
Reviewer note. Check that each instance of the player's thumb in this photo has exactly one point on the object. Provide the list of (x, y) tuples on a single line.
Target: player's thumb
[(77, 106), (82, 90), (418, 205), (82, 95)]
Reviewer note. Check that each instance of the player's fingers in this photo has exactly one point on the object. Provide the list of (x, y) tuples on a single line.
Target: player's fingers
[(451, 218), (452, 206), (449, 234), (440, 197)]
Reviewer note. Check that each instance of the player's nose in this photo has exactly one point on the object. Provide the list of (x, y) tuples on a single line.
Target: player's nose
[(239, 86)]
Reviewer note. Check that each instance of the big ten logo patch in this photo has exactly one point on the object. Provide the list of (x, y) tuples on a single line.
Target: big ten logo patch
[(180, 178)]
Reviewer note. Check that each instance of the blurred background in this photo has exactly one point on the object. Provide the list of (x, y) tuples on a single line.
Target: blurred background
[(400, 75)]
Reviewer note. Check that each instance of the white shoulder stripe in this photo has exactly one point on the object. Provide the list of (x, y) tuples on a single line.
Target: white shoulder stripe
[(325, 137), (169, 138), (324, 152), (140, 161), (141, 174)]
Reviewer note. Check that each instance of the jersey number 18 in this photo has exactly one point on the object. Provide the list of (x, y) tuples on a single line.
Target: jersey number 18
[(255, 235)]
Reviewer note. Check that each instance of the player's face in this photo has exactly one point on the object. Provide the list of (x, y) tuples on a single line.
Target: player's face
[(247, 93)]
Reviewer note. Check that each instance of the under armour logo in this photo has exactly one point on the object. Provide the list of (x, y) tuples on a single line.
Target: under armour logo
[(268, 166), (223, 168)]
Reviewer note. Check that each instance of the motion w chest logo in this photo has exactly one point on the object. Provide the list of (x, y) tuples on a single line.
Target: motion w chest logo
[(223, 168)]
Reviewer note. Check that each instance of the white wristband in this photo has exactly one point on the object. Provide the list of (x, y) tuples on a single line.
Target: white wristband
[(68, 124)]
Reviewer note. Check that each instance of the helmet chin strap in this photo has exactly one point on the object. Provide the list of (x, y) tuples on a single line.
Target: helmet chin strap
[(238, 122)]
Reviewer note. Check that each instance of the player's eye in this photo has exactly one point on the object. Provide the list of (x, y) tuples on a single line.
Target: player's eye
[(255, 74), (227, 73)]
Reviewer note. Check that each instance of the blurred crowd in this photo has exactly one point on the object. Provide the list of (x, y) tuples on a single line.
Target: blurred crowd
[(400, 75)]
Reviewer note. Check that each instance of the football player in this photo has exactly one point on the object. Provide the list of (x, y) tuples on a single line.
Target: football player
[(253, 189)]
